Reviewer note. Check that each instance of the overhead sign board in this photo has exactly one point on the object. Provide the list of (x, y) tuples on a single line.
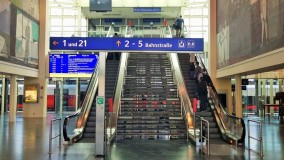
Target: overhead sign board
[(147, 9), (127, 44), (156, 20), (64, 64), (100, 5)]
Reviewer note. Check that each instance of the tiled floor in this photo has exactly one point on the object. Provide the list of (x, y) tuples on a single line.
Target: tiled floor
[(27, 139)]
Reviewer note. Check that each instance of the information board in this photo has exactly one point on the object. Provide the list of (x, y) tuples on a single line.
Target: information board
[(127, 44), (72, 64)]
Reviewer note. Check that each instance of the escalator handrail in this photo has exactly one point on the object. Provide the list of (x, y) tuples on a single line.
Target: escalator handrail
[(241, 140), (67, 118), (83, 106)]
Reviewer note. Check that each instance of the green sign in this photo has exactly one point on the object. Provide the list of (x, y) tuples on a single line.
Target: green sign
[(100, 100)]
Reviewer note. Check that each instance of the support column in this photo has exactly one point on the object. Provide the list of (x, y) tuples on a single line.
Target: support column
[(100, 111), (271, 94), (13, 98), (264, 90), (271, 101), (39, 109), (3, 97), (221, 84), (280, 85), (76, 93), (238, 96), (61, 95)]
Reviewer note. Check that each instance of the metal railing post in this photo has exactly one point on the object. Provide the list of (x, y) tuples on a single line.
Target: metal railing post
[(50, 137), (260, 136), (50, 134), (205, 138), (60, 139)]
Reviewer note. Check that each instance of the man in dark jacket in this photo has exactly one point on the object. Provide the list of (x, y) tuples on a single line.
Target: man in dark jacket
[(202, 94), (179, 25)]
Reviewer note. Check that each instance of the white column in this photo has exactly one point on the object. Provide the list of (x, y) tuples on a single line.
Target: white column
[(76, 94), (13, 98), (61, 85), (100, 111)]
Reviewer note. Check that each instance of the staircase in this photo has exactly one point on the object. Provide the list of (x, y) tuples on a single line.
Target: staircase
[(110, 82), (192, 90), (150, 107)]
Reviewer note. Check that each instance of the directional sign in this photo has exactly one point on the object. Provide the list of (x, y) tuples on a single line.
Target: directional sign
[(127, 44)]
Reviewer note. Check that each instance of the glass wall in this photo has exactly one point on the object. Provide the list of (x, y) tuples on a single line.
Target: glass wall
[(66, 20)]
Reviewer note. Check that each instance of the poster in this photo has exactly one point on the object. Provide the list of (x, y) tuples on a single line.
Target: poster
[(31, 94)]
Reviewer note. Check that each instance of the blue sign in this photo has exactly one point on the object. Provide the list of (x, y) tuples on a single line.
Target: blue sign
[(109, 20), (127, 44), (156, 20), (147, 9), (72, 63)]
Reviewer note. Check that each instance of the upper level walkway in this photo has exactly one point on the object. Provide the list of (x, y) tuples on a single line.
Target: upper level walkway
[(27, 139)]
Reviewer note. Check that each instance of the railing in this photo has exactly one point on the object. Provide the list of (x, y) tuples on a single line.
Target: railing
[(260, 136), (99, 31), (102, 31), (83, 113), (188, 113), (106, 126), (231, 127), (50, 134), (118, 91), (147, 31), (203, 136)]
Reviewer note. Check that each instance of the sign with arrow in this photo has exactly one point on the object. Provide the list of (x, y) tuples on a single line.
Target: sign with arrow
[(127, 44)]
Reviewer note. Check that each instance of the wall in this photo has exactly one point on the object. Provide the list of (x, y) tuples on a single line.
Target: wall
[(248, 28), (19, 32)]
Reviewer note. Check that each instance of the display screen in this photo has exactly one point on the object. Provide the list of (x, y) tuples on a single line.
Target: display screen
[(31, 94), (72, 63)]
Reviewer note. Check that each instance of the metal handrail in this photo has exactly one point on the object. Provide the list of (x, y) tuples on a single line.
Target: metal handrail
[(50, 134), (260, 136), (204, 137), (118, 89)]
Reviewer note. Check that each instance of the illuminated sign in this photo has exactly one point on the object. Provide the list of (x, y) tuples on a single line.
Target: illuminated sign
[(72, 64), (147, 9), (127, 44), (31, 93)]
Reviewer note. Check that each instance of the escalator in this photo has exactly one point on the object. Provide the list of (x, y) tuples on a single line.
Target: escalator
[(223, 127), (88, 131)]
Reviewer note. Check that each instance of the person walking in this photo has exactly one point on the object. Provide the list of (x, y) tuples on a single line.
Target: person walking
[(179, 24)]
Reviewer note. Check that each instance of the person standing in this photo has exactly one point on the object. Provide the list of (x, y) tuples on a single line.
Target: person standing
[(197, 70), (179, 25), (202, 94), (116, 54)]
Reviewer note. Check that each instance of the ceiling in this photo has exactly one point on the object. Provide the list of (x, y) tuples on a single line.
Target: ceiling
[(127, 12)]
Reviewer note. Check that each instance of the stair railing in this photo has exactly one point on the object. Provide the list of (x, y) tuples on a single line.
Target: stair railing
[(187, 111), (83, 113), (231, 127)]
